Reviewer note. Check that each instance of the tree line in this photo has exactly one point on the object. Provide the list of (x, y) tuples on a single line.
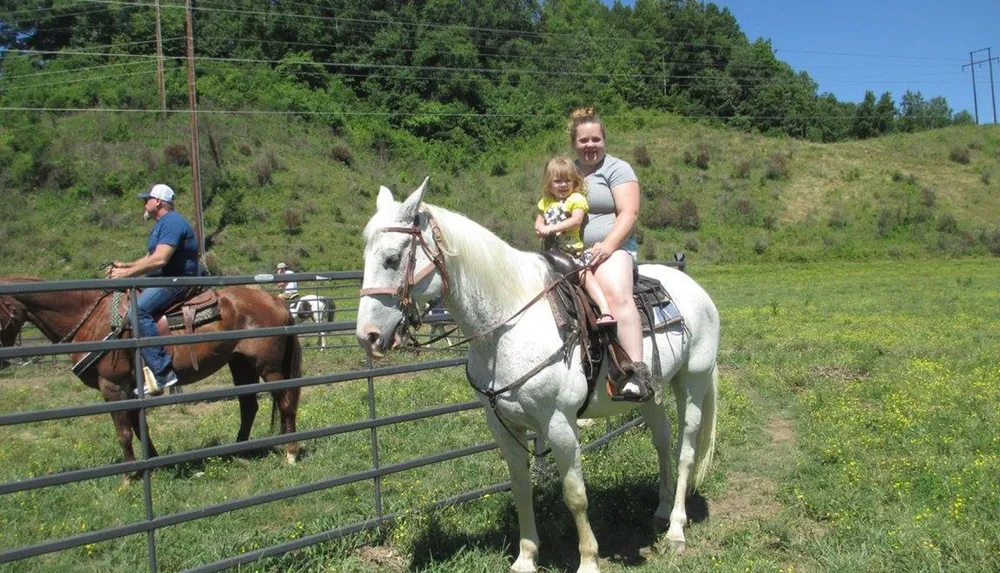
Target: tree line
[(464, 75)]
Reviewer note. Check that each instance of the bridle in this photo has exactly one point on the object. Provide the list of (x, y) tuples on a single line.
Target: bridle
[(412, 314), (6, 310)]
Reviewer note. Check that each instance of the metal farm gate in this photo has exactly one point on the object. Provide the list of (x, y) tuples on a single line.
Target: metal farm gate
[(350, 281)]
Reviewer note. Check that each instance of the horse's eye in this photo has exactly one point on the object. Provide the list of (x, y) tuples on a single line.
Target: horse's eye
[(392, 261)]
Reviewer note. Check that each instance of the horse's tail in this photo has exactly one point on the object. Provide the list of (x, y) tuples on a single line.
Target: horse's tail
[(331, 309), (705, 449), (291, 367)]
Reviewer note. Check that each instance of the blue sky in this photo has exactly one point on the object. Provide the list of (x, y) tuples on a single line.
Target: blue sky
[(851, 46)]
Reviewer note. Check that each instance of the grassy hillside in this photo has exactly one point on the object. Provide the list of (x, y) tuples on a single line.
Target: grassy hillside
[(276, 188)]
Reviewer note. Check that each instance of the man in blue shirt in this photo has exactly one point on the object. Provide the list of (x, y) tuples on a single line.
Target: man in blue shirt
[(172, 251)]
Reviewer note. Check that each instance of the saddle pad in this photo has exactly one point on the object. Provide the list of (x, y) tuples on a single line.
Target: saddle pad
[(664, 314), (203, 316)]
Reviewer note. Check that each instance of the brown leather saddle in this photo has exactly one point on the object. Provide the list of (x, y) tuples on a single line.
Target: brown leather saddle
[(199, 306), (573, 309)]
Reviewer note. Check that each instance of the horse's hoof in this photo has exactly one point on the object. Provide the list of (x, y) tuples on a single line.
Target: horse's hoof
[(676, 546), (585, 422), (523, 566), (291, 459)]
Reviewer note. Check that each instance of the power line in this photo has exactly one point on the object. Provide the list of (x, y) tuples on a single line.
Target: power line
[(76, 80), (400, 114)]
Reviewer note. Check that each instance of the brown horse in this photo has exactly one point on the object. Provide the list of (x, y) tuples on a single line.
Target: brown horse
[(88, 312)]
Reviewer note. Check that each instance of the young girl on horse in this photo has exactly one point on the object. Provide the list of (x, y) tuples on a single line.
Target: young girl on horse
[(560, 216)]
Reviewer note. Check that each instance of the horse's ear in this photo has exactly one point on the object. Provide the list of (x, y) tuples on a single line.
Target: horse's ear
[(412, 204), (384, 198)]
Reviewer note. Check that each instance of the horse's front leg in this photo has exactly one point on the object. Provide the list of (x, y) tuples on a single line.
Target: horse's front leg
[(126, 425), (511, 446), (564, 440)]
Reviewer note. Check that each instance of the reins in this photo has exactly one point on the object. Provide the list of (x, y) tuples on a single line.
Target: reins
[(411, 316)]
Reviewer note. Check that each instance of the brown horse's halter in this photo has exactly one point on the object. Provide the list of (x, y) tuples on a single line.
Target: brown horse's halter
[(6, 309), (411, 314)]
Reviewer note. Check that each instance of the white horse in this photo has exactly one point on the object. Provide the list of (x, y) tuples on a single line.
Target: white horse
[(315, 307), (416, 252)]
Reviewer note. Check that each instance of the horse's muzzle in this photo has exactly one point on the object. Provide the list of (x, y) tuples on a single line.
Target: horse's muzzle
[(374, 344)]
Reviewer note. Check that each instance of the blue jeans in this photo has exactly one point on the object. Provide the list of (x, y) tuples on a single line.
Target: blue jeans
[(152, 303)]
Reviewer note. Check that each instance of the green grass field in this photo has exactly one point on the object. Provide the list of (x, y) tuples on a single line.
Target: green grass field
[(858, 431)]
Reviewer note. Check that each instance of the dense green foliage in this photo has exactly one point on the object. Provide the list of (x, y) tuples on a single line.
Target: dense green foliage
[(471, 75)]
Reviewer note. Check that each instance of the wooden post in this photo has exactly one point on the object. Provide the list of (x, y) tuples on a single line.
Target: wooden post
[(159, 61), (195, 159)]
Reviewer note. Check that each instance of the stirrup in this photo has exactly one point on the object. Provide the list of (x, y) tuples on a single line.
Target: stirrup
[(607, 323), (642, 379)]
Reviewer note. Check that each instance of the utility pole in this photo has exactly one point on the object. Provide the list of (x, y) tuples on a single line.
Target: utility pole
[(972, 66), (195, 159), (159, 61)]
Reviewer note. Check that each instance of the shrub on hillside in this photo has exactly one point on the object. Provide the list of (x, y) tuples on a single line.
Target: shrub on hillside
[(293, 221), (959, 155), (770, 222), (838, 218), (263, 167), (928, 197), (992, 241), (761, 245), (641, 156), (245, 149), (699, 157), (742, 170), (986, 177), (343, 154), (658, 215), (777, 167), (177, 154), (691, 244), (900, 177), (946, 223), (687, 216), (499, 168)]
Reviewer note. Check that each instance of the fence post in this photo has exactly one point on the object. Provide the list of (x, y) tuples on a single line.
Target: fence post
[(140, 388), (374, 439)]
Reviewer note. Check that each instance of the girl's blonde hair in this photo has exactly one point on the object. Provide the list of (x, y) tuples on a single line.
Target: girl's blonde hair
[(581, 116), (562, 167)]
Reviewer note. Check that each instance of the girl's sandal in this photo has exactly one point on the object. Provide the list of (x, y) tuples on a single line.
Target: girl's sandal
[(606, 323)]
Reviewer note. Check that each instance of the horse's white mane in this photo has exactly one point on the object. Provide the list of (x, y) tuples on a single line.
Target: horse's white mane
[(484, 262)]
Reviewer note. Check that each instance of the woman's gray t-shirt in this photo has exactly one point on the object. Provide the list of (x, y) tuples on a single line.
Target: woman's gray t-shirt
[(611, 173)]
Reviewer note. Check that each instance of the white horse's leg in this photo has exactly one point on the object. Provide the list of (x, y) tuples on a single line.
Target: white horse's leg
[(517, 460), (655, 418), (564, 440), (692, 389)]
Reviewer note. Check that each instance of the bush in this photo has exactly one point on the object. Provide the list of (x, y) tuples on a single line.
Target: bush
[(251, 251), (928, 197), (742, 170), (687, 216), (245, 149), (691, 244), (946, 223), (177, 154), (770, 222), (986, 177), (702, 157), (992, 240), (838, 219), (777, 167), (263, 167), (499, 169), (761, 245), (900, 177), (293, 221), (343, 154), (959, 155), (641, 156), (658, 215)]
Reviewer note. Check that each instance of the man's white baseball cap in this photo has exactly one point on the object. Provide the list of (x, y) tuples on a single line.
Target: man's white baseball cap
[(159, 191)]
